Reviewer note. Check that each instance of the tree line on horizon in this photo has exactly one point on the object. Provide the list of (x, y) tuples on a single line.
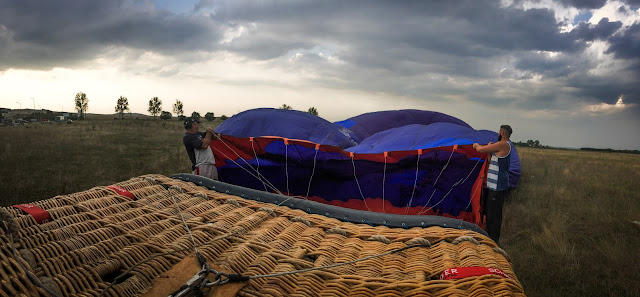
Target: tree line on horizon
[(155, 108)]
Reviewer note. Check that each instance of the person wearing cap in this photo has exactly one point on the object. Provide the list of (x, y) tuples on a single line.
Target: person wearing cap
[(497, 179), (197, 145)]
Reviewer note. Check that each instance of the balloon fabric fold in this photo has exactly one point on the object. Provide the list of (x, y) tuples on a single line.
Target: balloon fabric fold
[(402, 162)]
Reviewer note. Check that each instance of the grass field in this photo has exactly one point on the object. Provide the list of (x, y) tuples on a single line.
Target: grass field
[(568, 227)]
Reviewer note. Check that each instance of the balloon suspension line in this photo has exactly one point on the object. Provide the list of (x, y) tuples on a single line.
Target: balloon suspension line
[(358, 183), (260, 177), (286, 164), (255, 155), (436, 181), (312, 173), (172, 252), (415, 184), (476, 189), (384, 178), (459, 182), (193, 241)]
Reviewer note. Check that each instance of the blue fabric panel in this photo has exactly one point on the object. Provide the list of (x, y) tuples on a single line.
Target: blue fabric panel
[(371, 123), (416, 136), (289, 124)]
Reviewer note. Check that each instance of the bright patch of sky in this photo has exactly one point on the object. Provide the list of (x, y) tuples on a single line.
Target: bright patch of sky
[(582, 17), (616, 11)]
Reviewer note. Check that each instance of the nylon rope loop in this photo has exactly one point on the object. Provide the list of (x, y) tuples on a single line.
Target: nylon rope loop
[(286, 162), (312, 171), (255, 155), (351, 155), (245, 161), (415, 182), (384, 178)]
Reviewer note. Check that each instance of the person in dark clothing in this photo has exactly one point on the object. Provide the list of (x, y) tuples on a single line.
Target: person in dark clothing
[(197, 145), (497, 179)]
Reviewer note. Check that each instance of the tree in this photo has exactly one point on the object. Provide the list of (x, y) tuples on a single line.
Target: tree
[(155, 106), (82, 103), (209, 116), (165, 115), (122, 106), (536, 143), (223, 117), (284, 106), (195, 115), (312, 110), (177, 109)]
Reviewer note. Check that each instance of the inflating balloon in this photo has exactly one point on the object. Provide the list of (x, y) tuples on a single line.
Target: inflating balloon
[(402, 162)]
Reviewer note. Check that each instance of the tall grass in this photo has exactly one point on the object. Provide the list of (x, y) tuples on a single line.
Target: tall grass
[(567, 227), (42, 161)]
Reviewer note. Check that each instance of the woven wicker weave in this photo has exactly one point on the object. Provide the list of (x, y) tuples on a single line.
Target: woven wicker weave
[(96, 234)]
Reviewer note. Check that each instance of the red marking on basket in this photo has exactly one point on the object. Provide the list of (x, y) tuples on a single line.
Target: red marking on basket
[(464, 272), (40, 215), (122, 191)]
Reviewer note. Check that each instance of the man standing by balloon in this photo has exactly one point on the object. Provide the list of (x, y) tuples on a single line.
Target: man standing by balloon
[(497, 179), (197, 145)]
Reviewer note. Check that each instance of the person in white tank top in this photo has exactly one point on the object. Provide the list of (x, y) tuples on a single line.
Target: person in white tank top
[(497, 179)]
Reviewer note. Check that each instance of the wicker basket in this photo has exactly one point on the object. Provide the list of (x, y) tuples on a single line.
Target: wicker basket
[(97, 234)]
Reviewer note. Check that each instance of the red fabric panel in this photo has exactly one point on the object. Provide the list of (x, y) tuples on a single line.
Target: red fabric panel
[(122, 191), (40, 215), (463, 272), (476, 195)]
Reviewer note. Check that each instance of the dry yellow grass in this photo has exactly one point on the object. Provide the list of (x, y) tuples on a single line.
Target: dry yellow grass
[(569, 227)]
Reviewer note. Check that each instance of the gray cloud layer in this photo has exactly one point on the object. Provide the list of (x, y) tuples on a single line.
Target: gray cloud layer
[(424, 49)]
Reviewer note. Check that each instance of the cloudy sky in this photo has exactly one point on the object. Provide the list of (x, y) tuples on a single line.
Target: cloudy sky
[(565, 72)]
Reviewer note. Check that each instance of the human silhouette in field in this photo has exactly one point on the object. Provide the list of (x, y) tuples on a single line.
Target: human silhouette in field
[(197, 145), (497, 179)]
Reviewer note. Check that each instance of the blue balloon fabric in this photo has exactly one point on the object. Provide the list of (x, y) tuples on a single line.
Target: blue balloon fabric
[(291, 124), (405, 162)]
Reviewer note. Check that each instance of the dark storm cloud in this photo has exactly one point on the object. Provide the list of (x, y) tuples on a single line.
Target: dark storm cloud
[(588, 32), (396, 46), (591, 4), (423, 49), (45, 34), (558, 66), (626, 45), (472, 28)]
